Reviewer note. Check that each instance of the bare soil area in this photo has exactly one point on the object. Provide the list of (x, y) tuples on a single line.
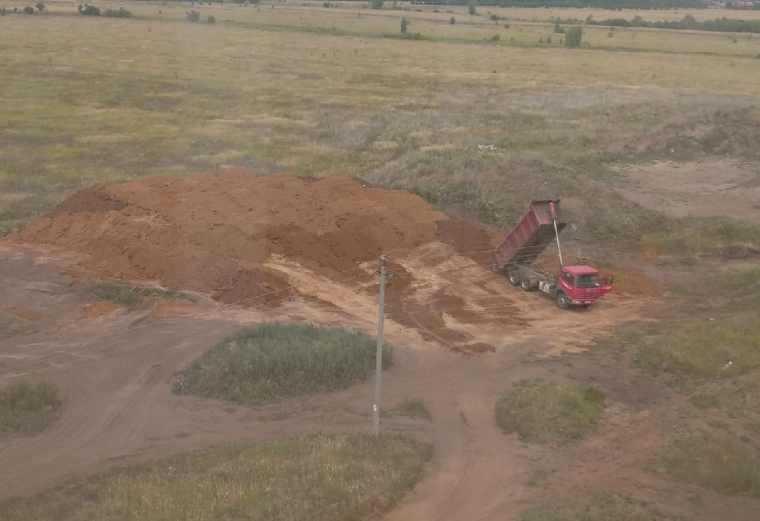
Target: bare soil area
[(115, 365), (707, 188)]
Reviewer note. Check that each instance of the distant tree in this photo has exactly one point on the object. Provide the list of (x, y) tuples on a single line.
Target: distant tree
[(193, 16), (28, 10), (376, 4), (404, 25), (452, 21), (211, 19), (472, 7), (573, 37), (40, 6), (558, 28)]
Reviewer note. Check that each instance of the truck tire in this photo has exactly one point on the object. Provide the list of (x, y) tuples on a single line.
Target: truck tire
[(526, 284), (562, 301), (514, 278)]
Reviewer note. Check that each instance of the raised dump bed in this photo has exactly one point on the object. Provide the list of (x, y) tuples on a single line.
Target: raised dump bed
[(530, 237)]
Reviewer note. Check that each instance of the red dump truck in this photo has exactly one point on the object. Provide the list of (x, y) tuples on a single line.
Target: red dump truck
[(574, 285)]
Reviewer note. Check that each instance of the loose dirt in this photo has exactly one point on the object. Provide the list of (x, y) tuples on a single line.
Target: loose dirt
[(274, 248), (239, 237)]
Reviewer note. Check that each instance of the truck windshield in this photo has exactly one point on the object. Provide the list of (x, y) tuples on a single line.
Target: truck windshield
[(587, 281)]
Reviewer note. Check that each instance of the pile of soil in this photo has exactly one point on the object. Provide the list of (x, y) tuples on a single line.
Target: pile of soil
[(214, 232)]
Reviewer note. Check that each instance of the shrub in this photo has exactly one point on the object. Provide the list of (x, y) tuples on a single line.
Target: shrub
[(211, 19), (193, 16), (452, 21), (404, 25), (413, 408), (275, 361), (2, 11), (40, 6), (28, 10), (472, 8), (117, 13), (88, 10), (376, 4), (495, 38), (545, 412), (573, 37), (558, 28), (26, 407)]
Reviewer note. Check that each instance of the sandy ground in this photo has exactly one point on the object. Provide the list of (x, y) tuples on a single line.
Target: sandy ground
[(115, 369)]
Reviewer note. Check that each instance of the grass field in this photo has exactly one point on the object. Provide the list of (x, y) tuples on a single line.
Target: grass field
[(320, 92), (318, 477)]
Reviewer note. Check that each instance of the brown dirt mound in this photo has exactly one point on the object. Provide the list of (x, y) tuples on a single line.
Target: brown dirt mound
[(214, 232)]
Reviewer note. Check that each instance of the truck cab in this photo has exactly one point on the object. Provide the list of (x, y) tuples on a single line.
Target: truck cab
[(580, 285)]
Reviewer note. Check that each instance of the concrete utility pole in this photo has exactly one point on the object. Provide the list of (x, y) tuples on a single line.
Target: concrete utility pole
[(379, 352)]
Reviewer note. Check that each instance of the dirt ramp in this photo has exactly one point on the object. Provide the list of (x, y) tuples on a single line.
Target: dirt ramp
[(213, 232)]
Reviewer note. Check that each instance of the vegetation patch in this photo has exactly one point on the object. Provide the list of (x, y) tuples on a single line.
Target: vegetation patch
[(720, 462), (545, 412), (413, 408), (27, 408), (133, 296), (707, 236), (275, 361), (601, 507), (703, 349), (317, 477)]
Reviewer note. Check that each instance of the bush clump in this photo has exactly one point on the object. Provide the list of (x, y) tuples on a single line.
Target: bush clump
[(275, 361), (193, 16), (28, 10), (88, 10), (118, 13), (545, 412), (26, 407)]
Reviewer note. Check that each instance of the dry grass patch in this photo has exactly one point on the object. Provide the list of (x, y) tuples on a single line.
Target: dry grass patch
[(546, 412), (27, 408), (601, 507), (311, 478), (721, 462)]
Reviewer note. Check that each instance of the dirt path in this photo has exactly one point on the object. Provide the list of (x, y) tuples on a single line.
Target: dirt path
[(115, 369)]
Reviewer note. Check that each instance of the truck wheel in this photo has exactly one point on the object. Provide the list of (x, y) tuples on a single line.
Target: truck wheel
[(526, 284), (514, 278), (562, 301)]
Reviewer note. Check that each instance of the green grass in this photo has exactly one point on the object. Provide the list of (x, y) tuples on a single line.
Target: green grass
[(704, 236), (133, 296), (275, 361), (702, 349), (413, 408), (545, 412), (27, 408), (720, 462), (601, 507), (310, 478)]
